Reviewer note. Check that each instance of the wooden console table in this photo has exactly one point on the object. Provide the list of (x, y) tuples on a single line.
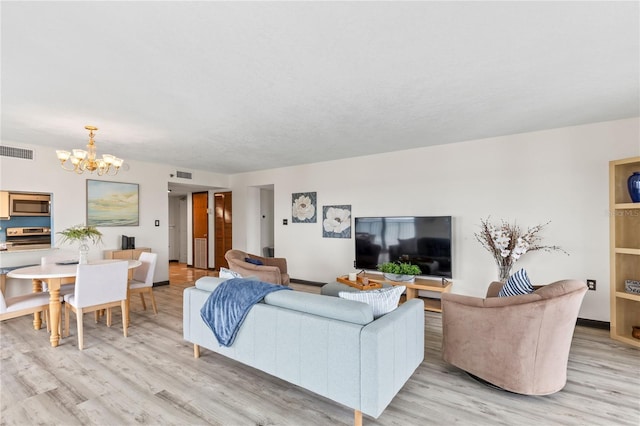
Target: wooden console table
[(435, 285), (128, 254)]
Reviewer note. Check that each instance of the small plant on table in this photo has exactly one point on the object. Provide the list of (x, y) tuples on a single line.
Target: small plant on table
[(399, 271)]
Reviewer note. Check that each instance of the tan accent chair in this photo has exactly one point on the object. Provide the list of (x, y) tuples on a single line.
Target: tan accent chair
[(273, 270), (518, 343)]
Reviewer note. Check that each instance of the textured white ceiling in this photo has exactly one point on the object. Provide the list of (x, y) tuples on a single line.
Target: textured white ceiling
[(239, 86)]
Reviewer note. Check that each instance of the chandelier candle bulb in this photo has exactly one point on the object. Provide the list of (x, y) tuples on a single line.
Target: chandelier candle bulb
[(80, 153), (63, 155)]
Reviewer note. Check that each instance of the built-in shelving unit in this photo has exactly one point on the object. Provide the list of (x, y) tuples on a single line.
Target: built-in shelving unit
[(625, 250)]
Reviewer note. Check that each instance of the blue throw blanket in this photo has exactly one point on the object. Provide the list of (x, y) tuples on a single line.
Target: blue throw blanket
[(228, 305)]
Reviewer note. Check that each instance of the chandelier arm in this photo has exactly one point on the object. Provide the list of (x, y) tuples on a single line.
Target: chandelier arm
[(62, 163)]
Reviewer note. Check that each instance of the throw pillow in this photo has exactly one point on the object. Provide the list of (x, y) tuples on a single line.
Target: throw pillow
[(517, 283), (228, 273), (382, 300), (253, 261)]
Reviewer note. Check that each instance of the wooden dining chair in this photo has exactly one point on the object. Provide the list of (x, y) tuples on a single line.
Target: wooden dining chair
[(98, 286), (142, 282)]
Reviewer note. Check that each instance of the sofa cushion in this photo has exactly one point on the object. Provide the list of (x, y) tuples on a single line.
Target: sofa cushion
[(332, 289), (324, 306), (228, 273), (209, 283), (517, 284), (257, 262), (382, 301)]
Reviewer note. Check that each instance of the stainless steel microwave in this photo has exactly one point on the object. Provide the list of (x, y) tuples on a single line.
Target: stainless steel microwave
[(22, 204)]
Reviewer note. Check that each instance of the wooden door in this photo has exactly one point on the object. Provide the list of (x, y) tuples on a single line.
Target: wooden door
[(200, 229), (223, 227)]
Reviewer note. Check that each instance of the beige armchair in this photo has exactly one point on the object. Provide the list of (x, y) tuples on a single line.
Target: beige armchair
[(518, 343), (273, 270)]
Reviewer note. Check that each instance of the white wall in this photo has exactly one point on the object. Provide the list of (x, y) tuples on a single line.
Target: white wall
[(559, 175), (43, 174)]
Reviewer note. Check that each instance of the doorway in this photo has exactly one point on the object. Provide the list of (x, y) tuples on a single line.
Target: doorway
[(223, 240), (200, 213), (181, 225)]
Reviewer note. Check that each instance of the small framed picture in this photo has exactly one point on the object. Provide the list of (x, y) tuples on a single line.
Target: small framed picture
[(336, 221), (303, 207)]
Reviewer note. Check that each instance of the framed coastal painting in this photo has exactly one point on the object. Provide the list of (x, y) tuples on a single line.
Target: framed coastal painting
[(336, 221), (112, 203), (303, 207)]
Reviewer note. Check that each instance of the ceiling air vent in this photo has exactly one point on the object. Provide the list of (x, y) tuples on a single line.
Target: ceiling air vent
[(8, 151), (184, 175)]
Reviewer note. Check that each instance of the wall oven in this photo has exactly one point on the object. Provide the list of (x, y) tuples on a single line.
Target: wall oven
[(22, 204), (24, 238)]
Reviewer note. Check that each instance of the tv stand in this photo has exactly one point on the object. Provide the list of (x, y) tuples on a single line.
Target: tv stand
[(426, 284)]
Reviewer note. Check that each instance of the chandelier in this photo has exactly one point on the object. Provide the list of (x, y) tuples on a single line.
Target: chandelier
[(81, 160)]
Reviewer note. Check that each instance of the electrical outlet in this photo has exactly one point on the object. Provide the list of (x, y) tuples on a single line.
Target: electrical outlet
[(591, 285)]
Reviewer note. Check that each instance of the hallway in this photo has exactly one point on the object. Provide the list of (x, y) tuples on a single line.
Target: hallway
[(180, 273)]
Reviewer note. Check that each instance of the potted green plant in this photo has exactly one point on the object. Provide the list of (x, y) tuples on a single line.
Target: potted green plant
[(82, 234), (399, 271)]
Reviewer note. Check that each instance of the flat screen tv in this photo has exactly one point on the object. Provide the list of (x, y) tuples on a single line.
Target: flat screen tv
[(421, 240)]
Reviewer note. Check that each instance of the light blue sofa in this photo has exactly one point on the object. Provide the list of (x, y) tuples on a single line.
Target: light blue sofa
[(325, 344)]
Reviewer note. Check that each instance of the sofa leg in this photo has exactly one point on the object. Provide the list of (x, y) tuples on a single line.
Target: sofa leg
[(357, 418), (196, 351)]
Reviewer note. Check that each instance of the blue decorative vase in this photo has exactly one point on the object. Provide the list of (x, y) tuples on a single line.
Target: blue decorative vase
[(633, 183)]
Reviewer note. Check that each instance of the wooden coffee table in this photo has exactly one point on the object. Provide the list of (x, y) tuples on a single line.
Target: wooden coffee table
[(425, 284)]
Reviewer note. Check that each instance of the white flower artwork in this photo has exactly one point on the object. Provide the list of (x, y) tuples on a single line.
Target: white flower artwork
[(336, 221), (303, 208)]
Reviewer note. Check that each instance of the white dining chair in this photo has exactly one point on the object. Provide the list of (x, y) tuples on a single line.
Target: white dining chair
[(98, 286), (26, 304), (142, 281)]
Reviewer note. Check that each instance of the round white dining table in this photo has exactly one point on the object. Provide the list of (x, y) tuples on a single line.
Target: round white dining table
[(55, 275)]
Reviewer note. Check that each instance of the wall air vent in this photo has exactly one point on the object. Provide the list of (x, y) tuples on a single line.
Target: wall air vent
[(8, 151), (184, 175)]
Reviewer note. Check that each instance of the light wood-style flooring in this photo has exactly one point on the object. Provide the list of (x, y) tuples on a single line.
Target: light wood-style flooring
[(151, 378)]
